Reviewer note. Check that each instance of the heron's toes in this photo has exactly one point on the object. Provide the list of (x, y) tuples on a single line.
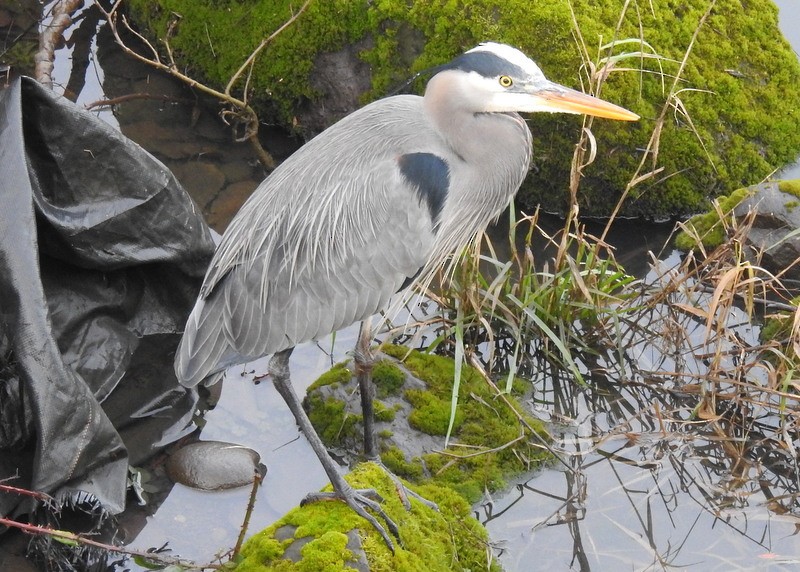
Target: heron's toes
[(371, 497), (404, 492), (359, 500)]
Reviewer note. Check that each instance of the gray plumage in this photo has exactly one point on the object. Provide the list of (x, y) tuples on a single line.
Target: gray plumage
[(383, 196)]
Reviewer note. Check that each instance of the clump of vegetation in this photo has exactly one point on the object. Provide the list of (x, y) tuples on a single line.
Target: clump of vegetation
[(339, 374), (492, 439), (333, 422), (790, 187), (388, 379), (396, 461), (19, 41), (725, 122), (430, 541), (556, 309), (384, 414), (779, 332), (710, 229)]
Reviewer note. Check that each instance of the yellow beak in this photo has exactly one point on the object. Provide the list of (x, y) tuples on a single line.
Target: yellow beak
[(557, 98)]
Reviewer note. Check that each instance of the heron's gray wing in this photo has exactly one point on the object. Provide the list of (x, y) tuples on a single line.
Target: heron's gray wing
[(376, 232)]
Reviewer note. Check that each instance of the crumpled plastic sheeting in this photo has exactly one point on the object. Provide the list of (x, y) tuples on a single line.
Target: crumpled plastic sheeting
[(101, 257)]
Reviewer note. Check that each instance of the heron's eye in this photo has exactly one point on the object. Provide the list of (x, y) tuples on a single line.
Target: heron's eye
[(505, 81)]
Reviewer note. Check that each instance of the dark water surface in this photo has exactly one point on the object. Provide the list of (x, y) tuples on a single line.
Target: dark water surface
[(634, 492)]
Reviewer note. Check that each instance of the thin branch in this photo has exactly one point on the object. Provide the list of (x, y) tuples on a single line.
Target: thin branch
[(251, 503), (249, 61), (70, 537), (44, 497), (133, 96), (243, 111)]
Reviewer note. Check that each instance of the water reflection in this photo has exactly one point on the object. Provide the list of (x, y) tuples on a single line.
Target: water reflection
[(643, 483), (654, 478)]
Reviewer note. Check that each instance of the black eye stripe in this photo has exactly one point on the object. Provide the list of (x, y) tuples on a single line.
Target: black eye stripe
[(486, 64)]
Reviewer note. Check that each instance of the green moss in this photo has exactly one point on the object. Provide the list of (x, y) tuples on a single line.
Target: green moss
[(708, 226), (328, 553), (20, 40), (740, 87), (338, 374), (382, 413), (449, 540), (388, 379), (777, 332), (431, 541), (213, 39), (791, 187), (791, 205), (482, 422), (333, 424), (431, 413), (778, 326), (396, 461)]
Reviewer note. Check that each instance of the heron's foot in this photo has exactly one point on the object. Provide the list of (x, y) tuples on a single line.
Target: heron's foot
[(403, 491), (359, 500)]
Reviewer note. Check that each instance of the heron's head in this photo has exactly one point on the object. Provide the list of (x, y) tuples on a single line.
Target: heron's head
[(498, 78)]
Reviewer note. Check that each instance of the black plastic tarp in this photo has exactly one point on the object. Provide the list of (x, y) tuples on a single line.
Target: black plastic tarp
[(101, 256)]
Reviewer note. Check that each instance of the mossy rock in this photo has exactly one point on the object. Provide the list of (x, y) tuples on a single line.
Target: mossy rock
[(740, 87), (413, 418), (708, 227), (768, 209), (329, 536), (790, 187)]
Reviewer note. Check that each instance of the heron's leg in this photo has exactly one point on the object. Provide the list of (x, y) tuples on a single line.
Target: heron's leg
[(355, 499), (364, 360)]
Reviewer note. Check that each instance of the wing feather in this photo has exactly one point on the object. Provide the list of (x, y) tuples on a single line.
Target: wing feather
[(316, 248)]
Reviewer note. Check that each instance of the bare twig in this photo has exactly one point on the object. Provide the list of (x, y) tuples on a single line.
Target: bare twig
[(241, 110), (70, 537), (44, 497), (133, 96), (252, 57), (251, 503)]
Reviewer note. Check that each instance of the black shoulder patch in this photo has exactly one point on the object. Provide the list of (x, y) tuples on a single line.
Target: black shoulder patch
[(429, 175)]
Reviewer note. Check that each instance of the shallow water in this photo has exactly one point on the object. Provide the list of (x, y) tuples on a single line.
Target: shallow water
[(634, 491)]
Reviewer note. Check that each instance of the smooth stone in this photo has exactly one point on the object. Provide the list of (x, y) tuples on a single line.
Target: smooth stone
[(214, 465)]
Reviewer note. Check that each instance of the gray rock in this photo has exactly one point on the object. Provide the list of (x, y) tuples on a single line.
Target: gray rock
[(341, 78), (397, 433), (293, 551), (214, 465), (775, 232)]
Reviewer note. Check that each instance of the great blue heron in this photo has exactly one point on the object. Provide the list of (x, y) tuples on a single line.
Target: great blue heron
[(360, 212)]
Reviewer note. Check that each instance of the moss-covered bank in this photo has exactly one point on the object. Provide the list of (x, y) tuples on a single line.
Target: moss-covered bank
[(740, 90), (416, 393), (712, 231), (430, 541), (412, 416)]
